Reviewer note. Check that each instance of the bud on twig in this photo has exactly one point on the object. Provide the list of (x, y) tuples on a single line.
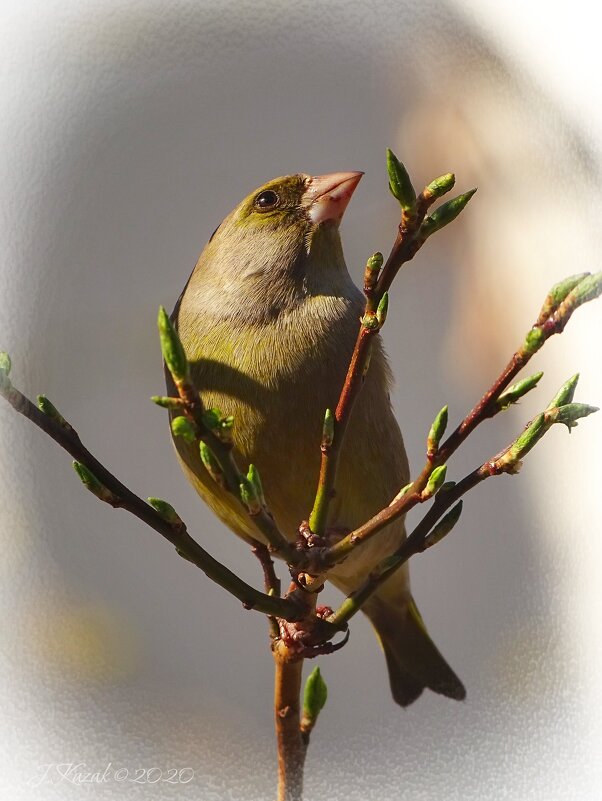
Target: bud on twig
[(439, 187), (218, 423), (328, 429), (182, 427), (5, 363), (167, 403), (249, 496), (255, 479), (399, 182), (314, 699), (517, 391), (565, 393), (370, 321), (534, 340), (436, 432), (557, 294), (172, 348), (50, 410), (91, 483), (445, 214), (569, 414), (166, 511), (444, 526), (211, 464), (435, 481), (510, 460), (402, 492), (372, 271), (381, 311), (587, 289)]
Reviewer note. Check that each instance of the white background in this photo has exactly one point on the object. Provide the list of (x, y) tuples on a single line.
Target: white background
[(129, 130)]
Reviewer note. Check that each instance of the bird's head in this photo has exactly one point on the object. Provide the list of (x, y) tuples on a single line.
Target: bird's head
[(280, 243), (303, 203)]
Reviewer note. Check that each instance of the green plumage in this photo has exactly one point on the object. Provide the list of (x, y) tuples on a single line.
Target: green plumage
[(268, 321)]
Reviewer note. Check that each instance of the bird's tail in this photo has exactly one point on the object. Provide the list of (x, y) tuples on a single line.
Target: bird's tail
[(413, 660)]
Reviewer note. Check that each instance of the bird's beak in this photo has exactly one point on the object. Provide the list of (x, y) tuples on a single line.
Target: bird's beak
[(327, 196)]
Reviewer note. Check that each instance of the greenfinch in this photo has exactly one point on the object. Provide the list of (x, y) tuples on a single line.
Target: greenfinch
[(268, 320)]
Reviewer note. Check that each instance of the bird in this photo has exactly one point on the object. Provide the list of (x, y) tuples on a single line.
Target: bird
[(268, 320)]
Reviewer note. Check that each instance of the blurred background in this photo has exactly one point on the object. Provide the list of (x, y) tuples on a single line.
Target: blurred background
[(129, 130)]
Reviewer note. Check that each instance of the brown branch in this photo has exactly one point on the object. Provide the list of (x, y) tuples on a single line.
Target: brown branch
[(189, 405), (552, 319), (175, 533), (287, 715), (405, 247), (426, 534)]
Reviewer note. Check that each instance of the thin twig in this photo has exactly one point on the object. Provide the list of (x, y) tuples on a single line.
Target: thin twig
[(176, 534), (584, 288), (424, 534), (405, 247)]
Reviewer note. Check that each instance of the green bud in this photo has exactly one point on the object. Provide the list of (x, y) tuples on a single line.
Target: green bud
[(211, 464), (444, 526), (249, 496), (517, 391), (440, 186), (5, 362), (534, 340), (182, 427), (91, 483), (403, 491), (373, 265), (436, 432), (510, 460), (225, 429), (557, 294), (167, 403), (565, 393), (587, 289), (328, 429), (375, 262), (570, 413), (381, 311), (445, 214), (255, 479), (49, 409), (314, 697), (399, 182), (166, 511), (435, 481), (560, 290), (211, 418), (172, 348), (370, 321)]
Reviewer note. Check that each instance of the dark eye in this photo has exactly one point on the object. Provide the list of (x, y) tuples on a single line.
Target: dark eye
[(265, 201)]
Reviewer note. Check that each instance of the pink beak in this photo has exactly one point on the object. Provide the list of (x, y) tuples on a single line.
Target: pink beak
[(327, 196)]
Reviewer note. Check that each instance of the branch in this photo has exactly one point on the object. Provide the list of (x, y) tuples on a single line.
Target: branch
[(433, 527), (413, 231), (560, 303), (212, 433), (166, 522)]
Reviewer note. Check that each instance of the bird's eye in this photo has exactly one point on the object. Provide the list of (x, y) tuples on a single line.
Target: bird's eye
[(266, 201)]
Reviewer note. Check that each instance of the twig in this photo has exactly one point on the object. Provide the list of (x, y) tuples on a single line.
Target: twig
[(376, 286), (124, 498), (432, 528), (562, 300), (210, 429)]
